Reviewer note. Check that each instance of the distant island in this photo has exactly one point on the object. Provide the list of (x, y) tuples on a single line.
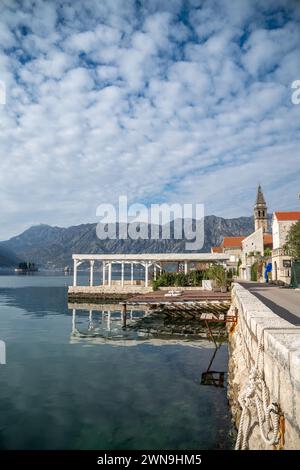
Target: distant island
[(24, 268)]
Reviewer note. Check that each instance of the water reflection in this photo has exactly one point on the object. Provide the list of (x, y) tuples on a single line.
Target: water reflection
[(93, 395), (110, 323)]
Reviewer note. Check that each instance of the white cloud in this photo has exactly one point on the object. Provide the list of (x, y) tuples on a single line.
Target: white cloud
[(176, 101)]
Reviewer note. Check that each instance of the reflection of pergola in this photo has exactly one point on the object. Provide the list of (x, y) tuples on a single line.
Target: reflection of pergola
[(114, 333), (105, 317), (149, 261)]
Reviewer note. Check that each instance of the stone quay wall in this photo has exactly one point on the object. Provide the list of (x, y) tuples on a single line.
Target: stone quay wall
[(280, 365), (105, 293)]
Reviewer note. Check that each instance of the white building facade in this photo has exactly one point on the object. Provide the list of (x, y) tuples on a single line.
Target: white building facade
[(281, 262), (253, 248)]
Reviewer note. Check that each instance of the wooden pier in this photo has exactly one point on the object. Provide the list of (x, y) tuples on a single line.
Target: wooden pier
[(206, 306), (180, 297), (182, 313)]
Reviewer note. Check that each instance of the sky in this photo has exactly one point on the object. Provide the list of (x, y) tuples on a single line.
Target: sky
[(177, 101)]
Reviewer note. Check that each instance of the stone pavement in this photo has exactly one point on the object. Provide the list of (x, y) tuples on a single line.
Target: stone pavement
[(284, 302)]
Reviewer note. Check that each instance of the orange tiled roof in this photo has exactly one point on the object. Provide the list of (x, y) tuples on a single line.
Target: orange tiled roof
[(216, 249), (287, 215), (232, 242)]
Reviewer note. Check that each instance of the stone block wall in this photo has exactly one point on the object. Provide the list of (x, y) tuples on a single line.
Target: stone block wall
[(280, 364), (114, 289), (111, 294)]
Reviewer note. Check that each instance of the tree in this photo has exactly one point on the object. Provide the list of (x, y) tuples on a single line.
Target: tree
[(292, 246), (267, 252), (238, 267)]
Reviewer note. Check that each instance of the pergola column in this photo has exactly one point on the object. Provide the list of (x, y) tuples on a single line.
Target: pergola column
[(109, 273), (154, 275), (76, 264), (146, 274), (122, 275), (75, 273), (185, 267), (131, 274), (92, 273), (103, 272)]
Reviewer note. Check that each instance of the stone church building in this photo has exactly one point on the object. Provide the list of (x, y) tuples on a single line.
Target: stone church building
[(264, 245), (254, 246)]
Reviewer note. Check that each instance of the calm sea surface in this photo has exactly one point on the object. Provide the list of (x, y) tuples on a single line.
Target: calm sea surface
[(74, 379)]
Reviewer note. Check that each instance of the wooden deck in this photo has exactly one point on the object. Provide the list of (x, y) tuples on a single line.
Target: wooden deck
[(207, 306), (187, 296)]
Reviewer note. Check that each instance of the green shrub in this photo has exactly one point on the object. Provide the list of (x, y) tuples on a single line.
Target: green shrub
[(218, 273), (254, 272), (196, 277), (166, 279), (267, 252)]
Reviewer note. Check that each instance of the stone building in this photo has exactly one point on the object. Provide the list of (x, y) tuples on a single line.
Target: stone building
[(253, 249), (238, 248), (260, 212), (231, 246), (282, 263), (254, 246)]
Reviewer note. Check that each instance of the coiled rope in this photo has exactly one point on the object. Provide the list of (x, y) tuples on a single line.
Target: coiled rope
[(256, 396)]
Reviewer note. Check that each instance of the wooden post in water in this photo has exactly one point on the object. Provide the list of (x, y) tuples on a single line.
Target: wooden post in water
[(124, 315)]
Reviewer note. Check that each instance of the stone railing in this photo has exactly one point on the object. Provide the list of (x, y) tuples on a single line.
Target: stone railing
[(279, 252), (280, 365)]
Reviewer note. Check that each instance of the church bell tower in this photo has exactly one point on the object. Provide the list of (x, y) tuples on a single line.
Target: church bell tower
[(260, 211)]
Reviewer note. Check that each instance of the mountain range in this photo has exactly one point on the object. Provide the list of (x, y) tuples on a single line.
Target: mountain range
[(53, 247), (7, 257)]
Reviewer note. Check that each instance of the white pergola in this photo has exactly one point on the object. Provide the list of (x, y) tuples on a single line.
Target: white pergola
[(147, 260)]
